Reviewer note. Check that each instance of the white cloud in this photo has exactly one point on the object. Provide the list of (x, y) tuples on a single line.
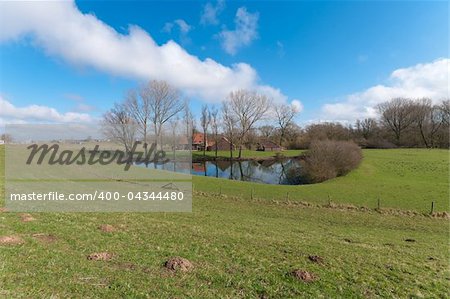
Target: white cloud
[(244, 33), (80, 103), (36, 113), (422, 80), (211, 12), (167, 27), (82, 39), (182, 25), (297, 106)]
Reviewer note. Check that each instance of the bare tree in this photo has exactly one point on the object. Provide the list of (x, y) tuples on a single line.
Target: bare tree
[(205, 120), (138, 106), (397, 115), (174, 124), (427, 119), (445, 111), (215, 127), (266, 131), (164, 103), (188, 122), (366, 128), (249, 107), (119, 125), (285, 114), (229, 125)]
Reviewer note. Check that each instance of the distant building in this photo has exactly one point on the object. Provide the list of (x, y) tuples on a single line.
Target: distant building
[(222, 145), (197, 142), (267, 146), (2, 142)]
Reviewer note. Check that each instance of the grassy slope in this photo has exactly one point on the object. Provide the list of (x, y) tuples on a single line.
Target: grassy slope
[(408, 179), (240, 248)]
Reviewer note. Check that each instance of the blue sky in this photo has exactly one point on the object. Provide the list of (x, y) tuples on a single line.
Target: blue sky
[(338, 59)]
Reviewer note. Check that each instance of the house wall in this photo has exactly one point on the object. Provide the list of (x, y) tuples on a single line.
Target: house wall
[(222, 145)]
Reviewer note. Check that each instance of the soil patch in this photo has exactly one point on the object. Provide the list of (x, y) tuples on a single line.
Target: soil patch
[(178, 264), (107, 228), (304, 275), (100, 256), (10, 240)]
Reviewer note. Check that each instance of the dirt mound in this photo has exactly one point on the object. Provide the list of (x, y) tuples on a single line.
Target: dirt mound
[(107, 228), (178, 264), (304, 275), (100, 256), (315, 259), (444, 215), (3, 210), (26, 218), (10, 240), (45, 238)]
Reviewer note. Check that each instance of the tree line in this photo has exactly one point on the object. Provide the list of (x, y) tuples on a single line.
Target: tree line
[(147, 109), (246, 118)]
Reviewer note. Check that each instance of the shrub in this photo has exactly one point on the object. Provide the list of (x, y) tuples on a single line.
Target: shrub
[(328, 159)]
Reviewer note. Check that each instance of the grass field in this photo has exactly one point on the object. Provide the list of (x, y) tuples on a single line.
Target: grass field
[(407, 179), (243, 248)]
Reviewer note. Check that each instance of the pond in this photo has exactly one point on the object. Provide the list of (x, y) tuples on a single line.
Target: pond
[(276, 172)]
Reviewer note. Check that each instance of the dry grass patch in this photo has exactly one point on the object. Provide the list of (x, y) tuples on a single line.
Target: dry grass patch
[(26, 217), (45, 238)]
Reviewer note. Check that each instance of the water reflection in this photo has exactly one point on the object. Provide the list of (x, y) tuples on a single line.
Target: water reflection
[(285, 172)]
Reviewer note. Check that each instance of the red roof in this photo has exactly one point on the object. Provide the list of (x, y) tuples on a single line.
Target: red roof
[(197, 138)]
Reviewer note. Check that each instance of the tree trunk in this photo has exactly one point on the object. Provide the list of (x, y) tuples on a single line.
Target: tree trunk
[(204, 144), (281, 137), (424, 139), (215, 137), (231, 149)]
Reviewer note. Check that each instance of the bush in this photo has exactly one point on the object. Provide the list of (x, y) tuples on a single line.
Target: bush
[(328, 159)]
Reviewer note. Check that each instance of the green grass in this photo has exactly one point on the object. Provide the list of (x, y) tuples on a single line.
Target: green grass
[(407, 179), (240, 248)]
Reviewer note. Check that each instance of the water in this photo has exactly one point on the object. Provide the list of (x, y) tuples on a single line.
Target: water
[(276, 172)]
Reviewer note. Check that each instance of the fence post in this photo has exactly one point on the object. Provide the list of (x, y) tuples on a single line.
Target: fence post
[(220, 190), (329, 200), (251, 193), (378, 204), (287, 196), (432, 208)]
